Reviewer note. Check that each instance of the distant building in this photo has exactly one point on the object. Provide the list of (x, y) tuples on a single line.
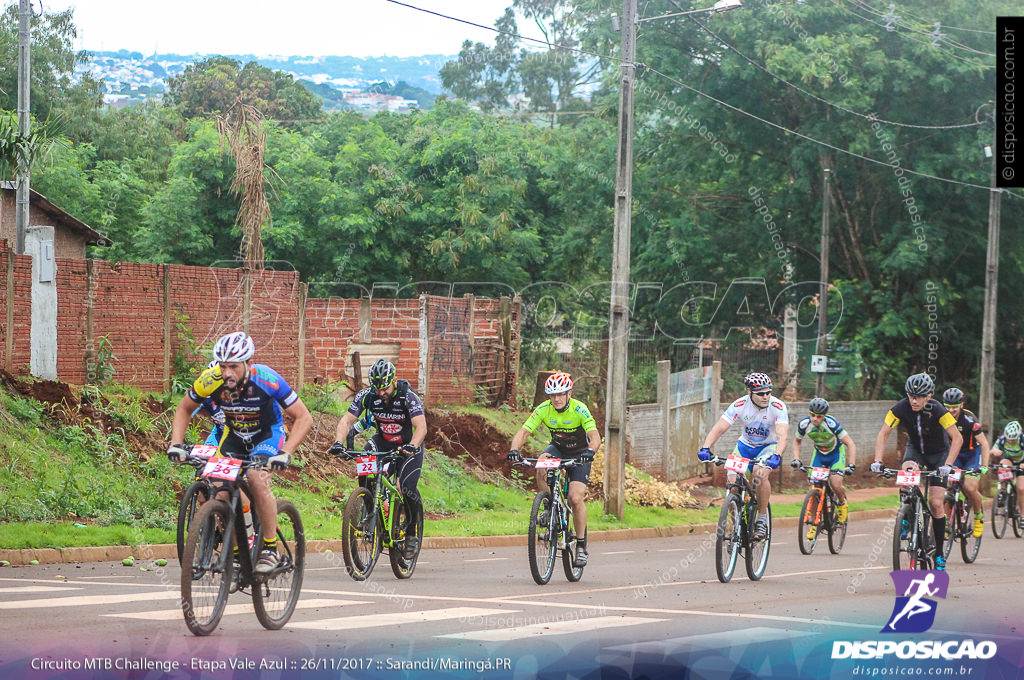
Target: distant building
[(368, 101), (70, 235)]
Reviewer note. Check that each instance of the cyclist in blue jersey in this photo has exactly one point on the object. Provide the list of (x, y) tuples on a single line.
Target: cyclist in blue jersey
[(252, 397), (974, 453)]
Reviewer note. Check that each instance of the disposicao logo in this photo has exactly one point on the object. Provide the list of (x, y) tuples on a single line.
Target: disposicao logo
[(914, 611)]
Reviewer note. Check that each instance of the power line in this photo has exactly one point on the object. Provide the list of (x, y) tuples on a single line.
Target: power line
[(937, 35), (825, 101), (878, 13), (813, 140), (508, 33)]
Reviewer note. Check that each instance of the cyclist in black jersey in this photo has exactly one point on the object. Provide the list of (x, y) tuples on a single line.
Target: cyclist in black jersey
[(401, 425), (933, 444)]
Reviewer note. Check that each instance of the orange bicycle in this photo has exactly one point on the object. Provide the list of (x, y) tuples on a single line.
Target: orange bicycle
[(818, 513)]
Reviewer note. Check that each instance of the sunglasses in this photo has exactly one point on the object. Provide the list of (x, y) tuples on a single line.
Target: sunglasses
[(949, 406), (762, 393)]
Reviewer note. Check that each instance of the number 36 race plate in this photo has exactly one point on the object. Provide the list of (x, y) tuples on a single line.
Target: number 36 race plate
[(222, 468)]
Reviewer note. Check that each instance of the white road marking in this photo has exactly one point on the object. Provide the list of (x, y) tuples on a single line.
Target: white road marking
[(376, 620), (34, 589), (487, 559), (85, 600), (551, 628), (617, 552), (174, 614)]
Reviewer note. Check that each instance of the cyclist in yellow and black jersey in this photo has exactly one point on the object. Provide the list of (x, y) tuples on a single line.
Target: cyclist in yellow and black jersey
[(934, 443), (573, 435)]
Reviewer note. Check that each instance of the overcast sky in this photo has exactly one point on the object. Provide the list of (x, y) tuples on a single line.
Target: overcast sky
[(306, 27)]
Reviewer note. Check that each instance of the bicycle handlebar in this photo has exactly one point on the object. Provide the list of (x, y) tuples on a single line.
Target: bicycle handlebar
[(717, 460), (565, 462), (382, 456), (892, 472), (804, 468)]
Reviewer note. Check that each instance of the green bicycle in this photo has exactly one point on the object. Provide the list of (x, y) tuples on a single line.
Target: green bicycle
[(376, 516)]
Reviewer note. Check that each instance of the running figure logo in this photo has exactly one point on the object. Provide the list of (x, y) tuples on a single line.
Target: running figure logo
[(914, 611)]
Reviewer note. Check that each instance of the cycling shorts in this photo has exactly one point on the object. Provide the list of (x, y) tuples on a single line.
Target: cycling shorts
[(834, 459), (969, 459), (754, 452), (577, 473), (236, 447), (927, 462)]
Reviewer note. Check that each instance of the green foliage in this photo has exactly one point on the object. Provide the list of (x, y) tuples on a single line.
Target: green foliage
[(101, 368)]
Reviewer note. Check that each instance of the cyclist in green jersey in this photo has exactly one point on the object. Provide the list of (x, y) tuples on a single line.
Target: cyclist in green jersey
[(573, 435), (832, 445), (1010, 450)]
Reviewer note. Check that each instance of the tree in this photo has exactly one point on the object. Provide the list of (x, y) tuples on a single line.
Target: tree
[(212, 85)]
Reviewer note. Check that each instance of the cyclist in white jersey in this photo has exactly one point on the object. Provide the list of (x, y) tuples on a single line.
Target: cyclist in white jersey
[(763, 440)]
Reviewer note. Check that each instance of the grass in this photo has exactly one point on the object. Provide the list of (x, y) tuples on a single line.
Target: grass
[(55, 478)]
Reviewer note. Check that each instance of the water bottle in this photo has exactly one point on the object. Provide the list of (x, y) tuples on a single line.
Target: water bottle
[(247, 518)]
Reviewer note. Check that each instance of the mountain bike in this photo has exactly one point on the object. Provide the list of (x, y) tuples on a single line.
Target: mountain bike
[(376, 516), (551, 522), (913, 546), (819, 512), (212, 569), (197, 493), (959, 520), (1004, 507), (735, 532)]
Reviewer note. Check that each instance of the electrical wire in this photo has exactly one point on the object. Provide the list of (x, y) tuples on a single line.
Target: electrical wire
[(825, 101), (879, 13)]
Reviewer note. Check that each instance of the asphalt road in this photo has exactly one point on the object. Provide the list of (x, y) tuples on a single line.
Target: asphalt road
[(640, 604)]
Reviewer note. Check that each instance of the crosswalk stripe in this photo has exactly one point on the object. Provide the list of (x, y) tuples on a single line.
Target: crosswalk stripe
[(551, 628), (84, 600), (34, 589), (375, 620), (173, 614)]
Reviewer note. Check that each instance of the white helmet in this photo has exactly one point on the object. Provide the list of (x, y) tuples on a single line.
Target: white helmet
[(1012, 430), (233, 347), (213, 364)]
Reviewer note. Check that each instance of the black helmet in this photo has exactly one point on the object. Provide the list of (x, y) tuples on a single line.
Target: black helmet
[(818, 406), (919, 385), (382, 374), (953, 396)]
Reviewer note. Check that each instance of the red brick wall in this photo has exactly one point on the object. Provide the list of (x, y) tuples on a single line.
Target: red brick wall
[(128, 308)]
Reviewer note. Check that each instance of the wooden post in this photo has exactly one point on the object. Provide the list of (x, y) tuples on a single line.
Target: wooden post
[(365, 320), (665, 402), (424, 367), (168, 325), (90, 331), (246, 300)]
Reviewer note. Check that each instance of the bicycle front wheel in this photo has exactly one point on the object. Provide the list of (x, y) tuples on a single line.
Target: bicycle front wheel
[(1000, 511), (361, 536), (758, 548), (206, 574), (807, 531), (542, 546), (197, 493), (275, 596), (1013, 512), (954, 528), (404, 529), (727, 542)]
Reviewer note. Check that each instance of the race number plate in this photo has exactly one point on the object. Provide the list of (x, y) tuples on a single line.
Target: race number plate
[(366, 465), (736, 464), (548, 463), (1005, 474), (204, 451), (819, 473), (222, 468), (908, 478), (954, 475)]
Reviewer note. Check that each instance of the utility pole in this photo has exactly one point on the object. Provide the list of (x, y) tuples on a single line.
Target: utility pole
[(822, 345), (618, 340), (24, 82), (986, 396)]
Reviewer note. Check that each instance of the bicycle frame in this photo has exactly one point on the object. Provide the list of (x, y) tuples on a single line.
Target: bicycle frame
[(386, 493), (920, 526)]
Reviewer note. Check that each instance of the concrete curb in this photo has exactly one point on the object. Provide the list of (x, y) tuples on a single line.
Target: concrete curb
[(168, 551)]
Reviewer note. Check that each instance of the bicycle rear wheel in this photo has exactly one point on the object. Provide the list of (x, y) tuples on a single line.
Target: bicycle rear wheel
[(542, 547), (572, 572), (207, 570), (275, 596), (1000, 511), (836, 529), (808, 517), (197, 493), (954, 527), (1014, 513), (362, 536), (401, 532), (727, 543), (969, 543), (758, 549)]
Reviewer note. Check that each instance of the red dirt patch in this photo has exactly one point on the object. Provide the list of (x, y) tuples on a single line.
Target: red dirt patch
[(468, 437)]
